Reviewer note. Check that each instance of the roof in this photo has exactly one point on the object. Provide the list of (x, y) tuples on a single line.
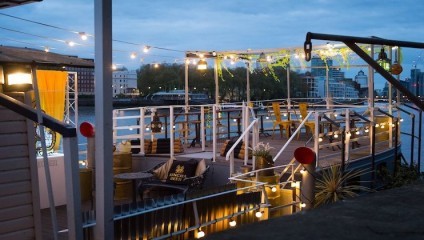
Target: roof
[(13, 3), (41, 58)]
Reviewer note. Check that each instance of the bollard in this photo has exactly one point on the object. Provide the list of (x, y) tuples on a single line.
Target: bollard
[(87, 130), (307, 158)]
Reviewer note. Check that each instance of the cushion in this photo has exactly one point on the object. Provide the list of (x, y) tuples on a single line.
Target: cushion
[(180, 170), (201, 167), (162, 171)]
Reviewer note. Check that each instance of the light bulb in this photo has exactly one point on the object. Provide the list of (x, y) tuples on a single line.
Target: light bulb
[(336, 135), (200, 233), (377, 125), (258, 214), (273, 189), (401, 120), (83, 35), (302, 171), (232, 223), (133, 55), (367, 130), (71, 44), (302, 205), (320, 139), (146, 49)]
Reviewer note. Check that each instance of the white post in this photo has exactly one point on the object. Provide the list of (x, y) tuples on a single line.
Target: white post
[(214, 131), (316, 138), (245, 116), (371, 98), (202, 127), (348, 135), (171, 133), (288, 87), (141, 131), (103, 113), (186, 84), (215, 74), (327, 88), (248, 83), (73, 195)]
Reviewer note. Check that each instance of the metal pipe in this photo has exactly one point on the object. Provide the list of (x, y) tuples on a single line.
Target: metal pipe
[(416, 100), (371, 40)]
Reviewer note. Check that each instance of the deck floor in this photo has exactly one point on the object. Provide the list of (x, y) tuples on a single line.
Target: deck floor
[(220, 170)]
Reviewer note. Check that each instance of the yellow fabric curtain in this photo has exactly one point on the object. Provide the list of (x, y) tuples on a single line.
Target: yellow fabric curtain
[(52, 88)]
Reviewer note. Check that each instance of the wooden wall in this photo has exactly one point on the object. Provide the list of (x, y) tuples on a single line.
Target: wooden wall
[(19, 203)]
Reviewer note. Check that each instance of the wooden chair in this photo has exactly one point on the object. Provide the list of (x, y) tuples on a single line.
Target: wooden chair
[(309, 125), (283, 124)]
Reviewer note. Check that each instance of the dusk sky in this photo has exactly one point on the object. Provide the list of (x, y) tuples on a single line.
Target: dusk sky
[(211, 25)]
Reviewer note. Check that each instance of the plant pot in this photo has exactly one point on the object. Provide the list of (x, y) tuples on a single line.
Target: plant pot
[(264, 162)]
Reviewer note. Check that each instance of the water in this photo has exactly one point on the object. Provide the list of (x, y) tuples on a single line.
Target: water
[(87, 114)]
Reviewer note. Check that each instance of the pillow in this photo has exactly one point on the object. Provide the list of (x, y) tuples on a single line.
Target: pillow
[(162, 171), (201, 167), (180, 170)]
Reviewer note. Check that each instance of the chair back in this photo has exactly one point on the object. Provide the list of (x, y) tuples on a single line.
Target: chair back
[(276, 109), (303, 109)]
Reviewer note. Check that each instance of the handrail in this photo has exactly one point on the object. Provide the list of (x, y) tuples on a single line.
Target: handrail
[(30, 113), (292, 136), (246, 131)]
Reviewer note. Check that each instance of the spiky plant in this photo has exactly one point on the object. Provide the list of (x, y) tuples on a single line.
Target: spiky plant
[(335, 185)]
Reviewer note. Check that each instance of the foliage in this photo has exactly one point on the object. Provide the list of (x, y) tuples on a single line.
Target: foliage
[(334, 185), (405, 175), (262, 150)]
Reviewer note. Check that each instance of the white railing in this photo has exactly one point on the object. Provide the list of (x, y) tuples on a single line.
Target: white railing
[(245, 138)]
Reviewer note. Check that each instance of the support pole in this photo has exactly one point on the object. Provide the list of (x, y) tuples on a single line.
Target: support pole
[(103, 113)]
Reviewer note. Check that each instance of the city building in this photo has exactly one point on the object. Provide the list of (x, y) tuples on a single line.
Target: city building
[(362, 81), (417, 82), (85, 78), (125, 83)]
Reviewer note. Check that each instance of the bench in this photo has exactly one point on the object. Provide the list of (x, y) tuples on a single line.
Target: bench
[(176, 175)]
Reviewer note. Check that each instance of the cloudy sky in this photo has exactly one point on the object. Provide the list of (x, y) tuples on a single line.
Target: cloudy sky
[(210, 25)]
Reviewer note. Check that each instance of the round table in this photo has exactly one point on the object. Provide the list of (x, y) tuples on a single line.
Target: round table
[(134, 176)]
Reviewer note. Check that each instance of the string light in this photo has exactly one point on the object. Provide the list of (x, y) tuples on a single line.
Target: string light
[(232, 222), (336, 135), (302, 205), (146, 49), (200, 233), (83, 36), (258, 214), (133, 55), (273, 189)]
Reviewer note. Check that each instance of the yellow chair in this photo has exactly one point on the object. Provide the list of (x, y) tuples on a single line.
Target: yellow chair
[(309, 125), (283, 124)]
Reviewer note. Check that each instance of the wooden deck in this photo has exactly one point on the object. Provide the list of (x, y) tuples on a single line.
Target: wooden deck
[(220, 169)]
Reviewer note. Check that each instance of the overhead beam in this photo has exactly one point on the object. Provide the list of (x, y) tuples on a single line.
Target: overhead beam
[(351, 43)]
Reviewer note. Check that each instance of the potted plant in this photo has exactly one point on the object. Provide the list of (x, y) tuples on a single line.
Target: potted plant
[(263, 159)]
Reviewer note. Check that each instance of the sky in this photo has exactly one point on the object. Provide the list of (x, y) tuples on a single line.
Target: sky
[(210, 25)]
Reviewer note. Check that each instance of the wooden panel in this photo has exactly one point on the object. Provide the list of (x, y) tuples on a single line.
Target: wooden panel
[(15, 212), (15, 188), (13, 139), (15, 176), (15, 200), (13, 127), (14, 151), (23, 234), (13, 163), (7, 115), (17, 225)]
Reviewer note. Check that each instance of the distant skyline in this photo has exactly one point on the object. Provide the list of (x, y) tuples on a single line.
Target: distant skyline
[(211, 25)]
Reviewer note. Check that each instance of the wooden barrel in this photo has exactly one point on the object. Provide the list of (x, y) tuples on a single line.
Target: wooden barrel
[(122, 163)]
